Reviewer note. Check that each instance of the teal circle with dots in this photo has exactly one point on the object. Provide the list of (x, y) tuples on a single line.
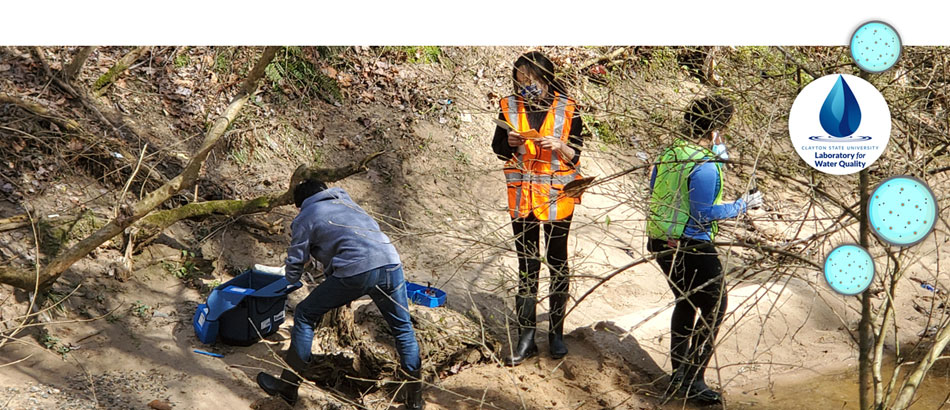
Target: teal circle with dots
[(875, 46), (849, 269), (902, 210)]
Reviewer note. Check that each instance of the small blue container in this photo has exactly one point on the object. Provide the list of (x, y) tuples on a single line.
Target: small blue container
[(425, 295)]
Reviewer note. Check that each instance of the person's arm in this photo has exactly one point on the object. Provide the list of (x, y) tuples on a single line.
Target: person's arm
[(703, 186), (499, 142), (298, 253), (575, 140), (652, 179), (571, 149)]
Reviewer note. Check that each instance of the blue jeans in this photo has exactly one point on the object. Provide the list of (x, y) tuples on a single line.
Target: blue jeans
[(386, 285)]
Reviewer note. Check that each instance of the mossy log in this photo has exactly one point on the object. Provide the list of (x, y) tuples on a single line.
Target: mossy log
[(156, 222), (120, 66)]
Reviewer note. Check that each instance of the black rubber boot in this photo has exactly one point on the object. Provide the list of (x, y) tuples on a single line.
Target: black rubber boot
[(414, 399), (693, 386), (527, 321), (286, 386), (675, 389), (700, 352), (556, 344), (288, 383), (701, 393)]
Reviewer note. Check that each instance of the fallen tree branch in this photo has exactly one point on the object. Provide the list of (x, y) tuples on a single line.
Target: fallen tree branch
[(75, 66), (36, 284), (14, 222), (41, 111), (38, 55), (104, 81), (140, 209), (606, 57), (303, 172), (156, 222)]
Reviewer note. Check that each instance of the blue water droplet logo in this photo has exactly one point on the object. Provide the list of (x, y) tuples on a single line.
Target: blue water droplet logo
[(840, 114)]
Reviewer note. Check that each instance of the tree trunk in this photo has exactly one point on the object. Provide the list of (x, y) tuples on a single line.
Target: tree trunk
[(120, 66), (156, 222), (75, 66), (153, 199), (914, 379), (864, 326)]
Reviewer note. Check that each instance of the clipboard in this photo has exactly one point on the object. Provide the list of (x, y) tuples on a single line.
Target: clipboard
[(528, 135), (575, 188)]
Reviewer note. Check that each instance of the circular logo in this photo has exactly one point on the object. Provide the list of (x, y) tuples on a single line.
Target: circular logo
[(849, 269), (839, 124), (875, 46), (902, 210)]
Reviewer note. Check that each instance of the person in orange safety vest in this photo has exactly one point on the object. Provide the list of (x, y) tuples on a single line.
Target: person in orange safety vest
[(540, 143)]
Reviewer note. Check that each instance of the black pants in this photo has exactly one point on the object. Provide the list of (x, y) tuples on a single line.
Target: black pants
[(694, 274), (527, 243)]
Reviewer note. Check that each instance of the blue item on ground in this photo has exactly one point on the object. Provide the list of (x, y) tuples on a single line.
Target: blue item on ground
[(427, 296), (244, 309), (208, 353)]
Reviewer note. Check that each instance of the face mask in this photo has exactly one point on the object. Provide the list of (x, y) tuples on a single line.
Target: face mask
[(720, 151), (531, 92)]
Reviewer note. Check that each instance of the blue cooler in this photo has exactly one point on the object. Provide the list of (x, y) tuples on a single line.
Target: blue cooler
[(244, 309), (425, 295)]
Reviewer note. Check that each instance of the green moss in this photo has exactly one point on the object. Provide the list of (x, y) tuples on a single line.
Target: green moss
[(182, 59), (605, 129), (424, 54), (56, 235), (109, 76), (417, 54), (222, 61)]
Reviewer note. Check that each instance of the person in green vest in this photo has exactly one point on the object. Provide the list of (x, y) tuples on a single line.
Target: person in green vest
[(685, 203)]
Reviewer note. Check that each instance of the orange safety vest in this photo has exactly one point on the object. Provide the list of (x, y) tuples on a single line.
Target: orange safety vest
[(536, 181)]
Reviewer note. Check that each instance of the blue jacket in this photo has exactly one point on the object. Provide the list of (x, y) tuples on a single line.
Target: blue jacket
[(334, 230), (703, 189)]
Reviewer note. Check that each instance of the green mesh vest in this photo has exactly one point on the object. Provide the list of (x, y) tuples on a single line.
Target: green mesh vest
[(669, 203)]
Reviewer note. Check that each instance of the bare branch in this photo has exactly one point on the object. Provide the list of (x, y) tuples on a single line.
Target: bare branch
[(74, 67)]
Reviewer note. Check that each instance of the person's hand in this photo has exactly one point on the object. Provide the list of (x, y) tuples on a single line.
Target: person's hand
[(551, 143), (515, 139), (752, 200), (276, 270)]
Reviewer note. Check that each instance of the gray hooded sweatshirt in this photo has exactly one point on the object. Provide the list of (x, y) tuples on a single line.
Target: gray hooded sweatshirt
[(335, 231)]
